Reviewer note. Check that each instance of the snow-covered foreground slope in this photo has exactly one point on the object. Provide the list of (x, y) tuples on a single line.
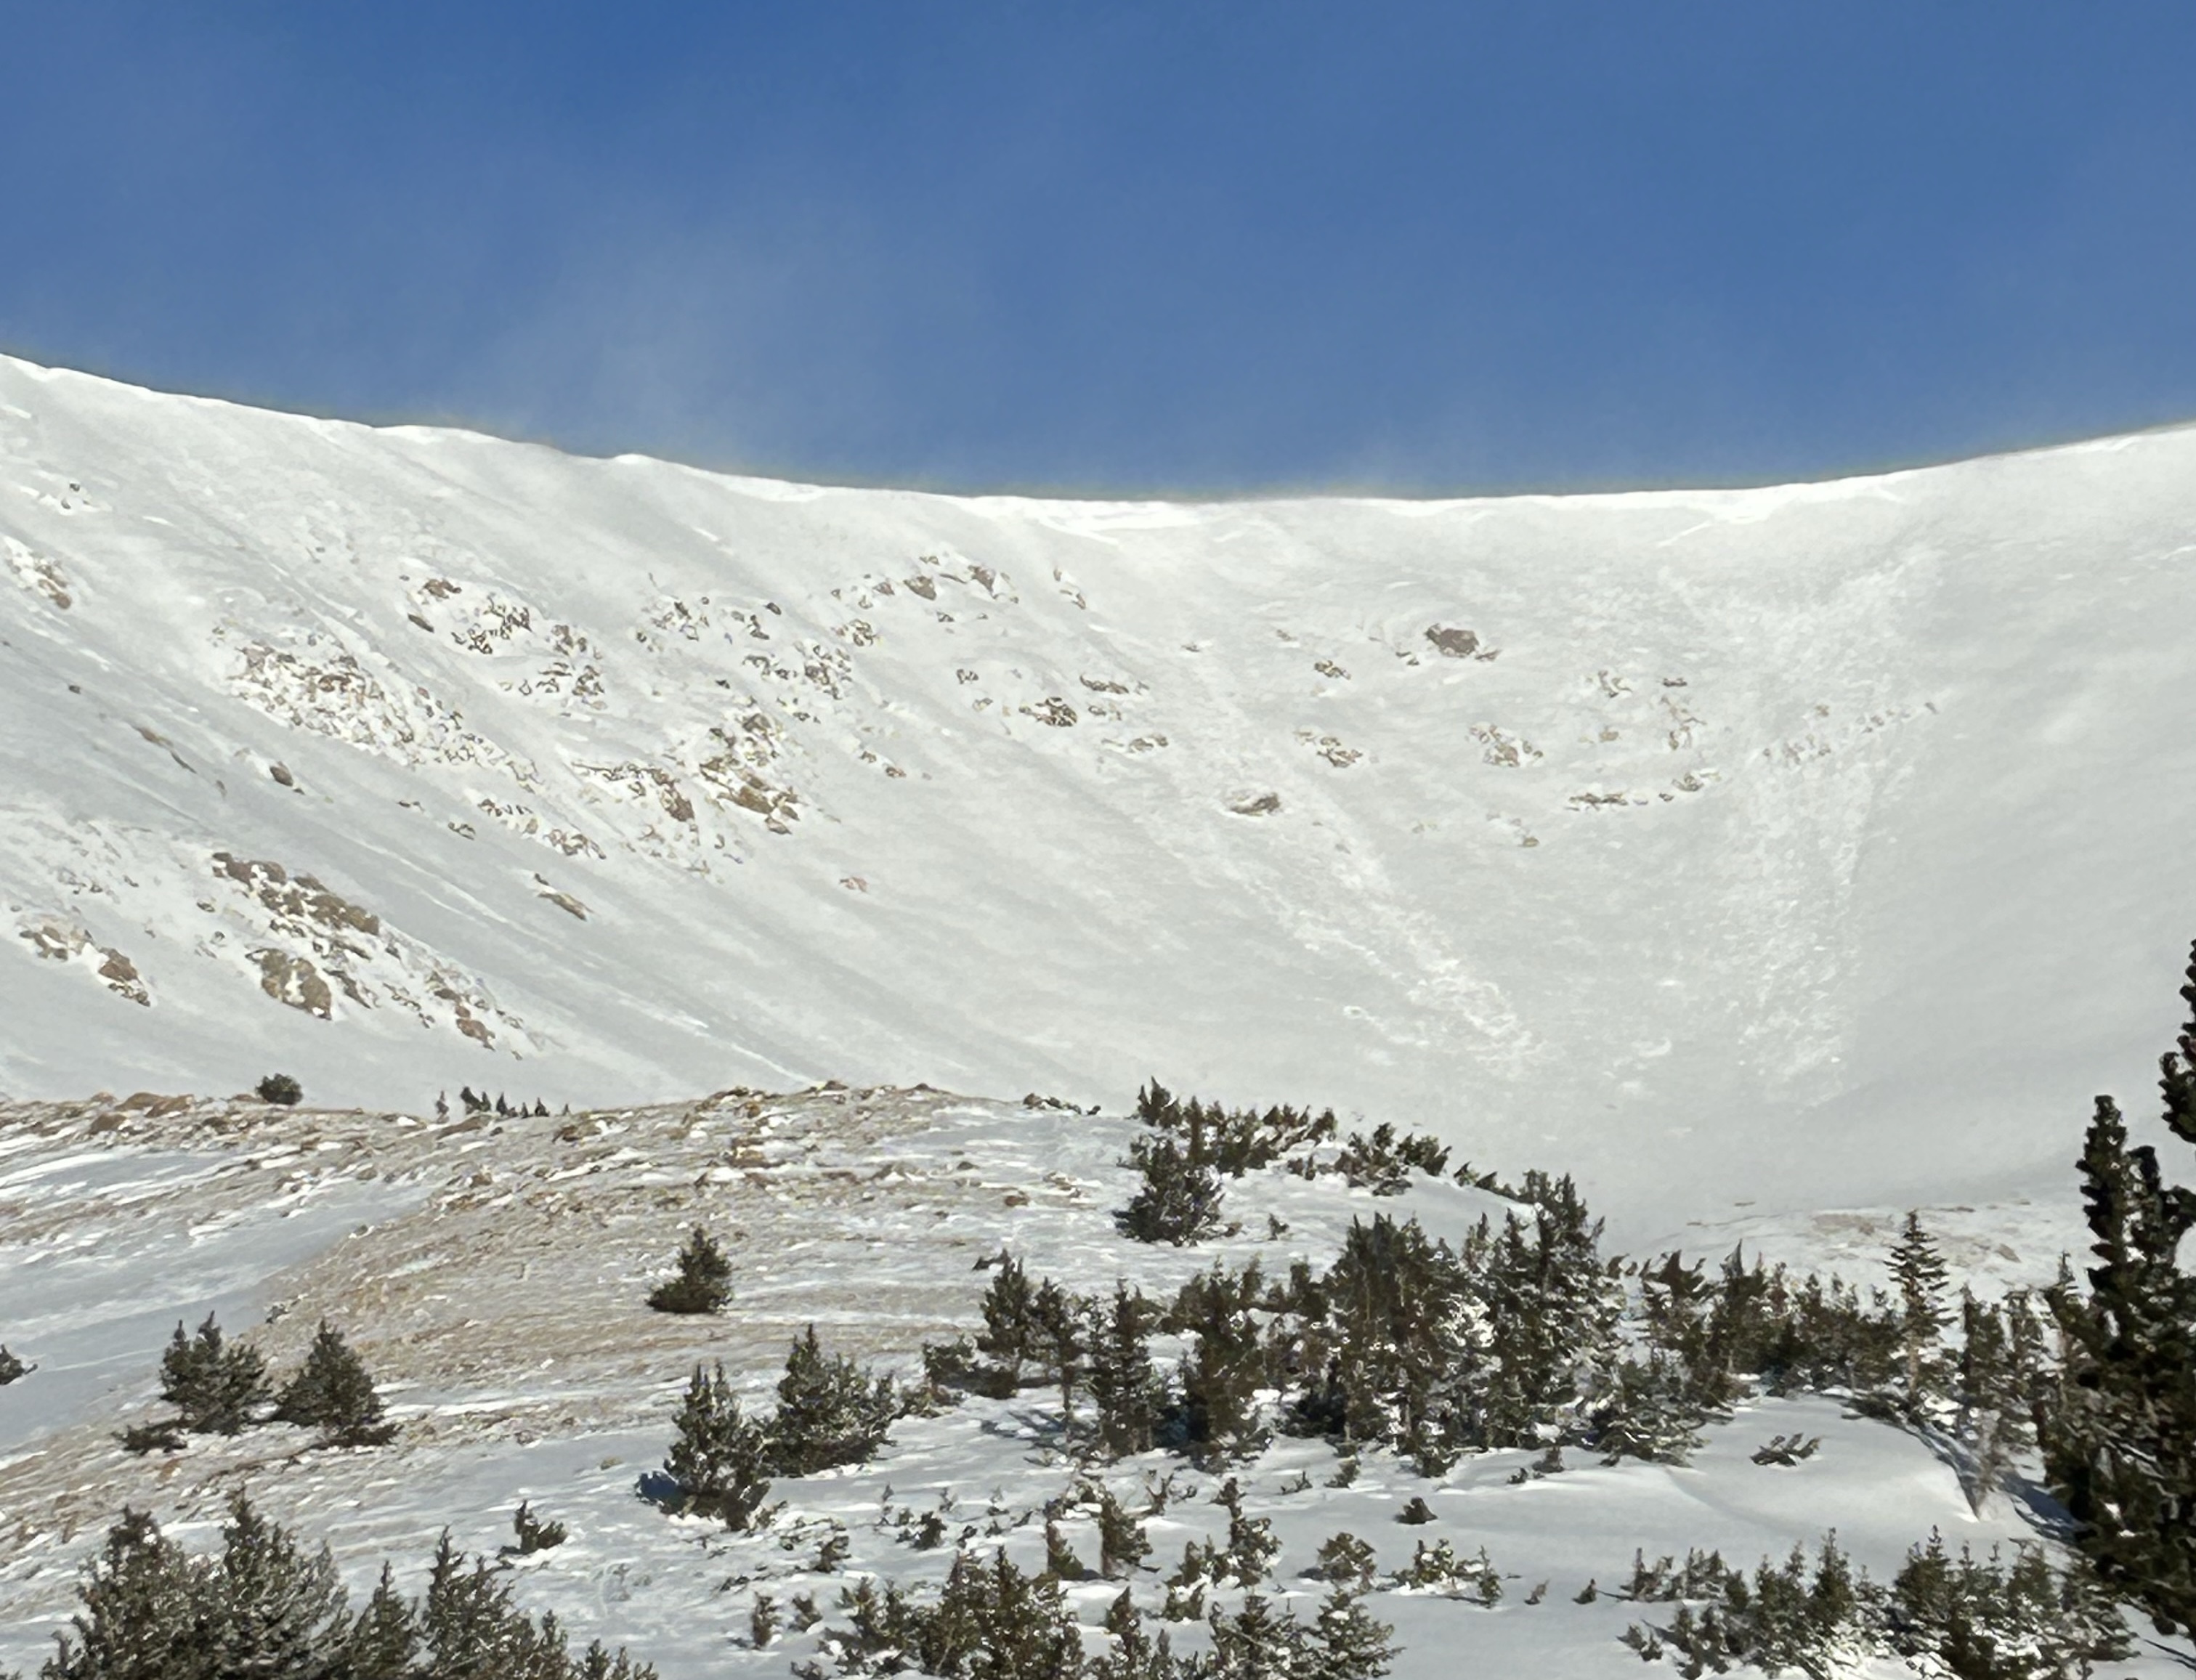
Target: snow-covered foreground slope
[(1787, 846), (491, 1273)]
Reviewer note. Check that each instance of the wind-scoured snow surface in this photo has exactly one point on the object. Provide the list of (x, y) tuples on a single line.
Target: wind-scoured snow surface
[(1791, 845)]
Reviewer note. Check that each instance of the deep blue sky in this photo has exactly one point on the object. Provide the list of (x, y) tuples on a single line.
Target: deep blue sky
[(1123, 246)]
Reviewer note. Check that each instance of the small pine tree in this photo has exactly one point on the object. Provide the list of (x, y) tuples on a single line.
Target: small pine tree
[(704, 1281), (214, 1386), (1121, 1542), (830, 1410), (1919, 1271), (280, 1089), (1123, 1387), (11, 1368), (533, 1534), (139, 1619), (333, 1394), (275, 1608), (385, 1638), (1179, 1200), (720, 1455), (1350, 1645), (1059, 1318), (1010, 1325)]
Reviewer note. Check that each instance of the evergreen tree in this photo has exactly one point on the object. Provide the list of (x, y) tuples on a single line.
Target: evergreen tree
[(11, 1368), (1350, 1644), (720, 1455), (1226, 1365), (1398, 1344), (468, 1627), (141, 1617), (274, 1610), (1179, 1200), (215, 1387), (1919, 1271), (704, 1281), (382, 1641), (1123, 1387), (1059, 1316), (1552, 1307), (1010, 1322), (2121, 1447), (333, 1394), (1649, 1413), (830, 1410), (1121, 1543), (1992, 1425)]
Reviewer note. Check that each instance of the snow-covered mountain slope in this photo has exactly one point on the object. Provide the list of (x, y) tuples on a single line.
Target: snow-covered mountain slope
[(1789, 845)]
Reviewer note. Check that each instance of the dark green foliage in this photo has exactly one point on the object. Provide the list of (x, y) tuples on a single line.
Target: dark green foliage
[(1060, 1341), (274, 1610), (1061, 1561), (1649, 1412), (2120, 1442), (1190, 1147), (1975, 1621), (1252, 1544), (1999, 1346), (1010, 1325), (1179, 1200), (533, 1534), (704, 1281), (1214, 1415), (720, 1457), (1122, 1544), (468, 1625), (333, 1394), (215, 1387), (1782, 1619), (1999, 1621), (1552, 1308), (1232, 1142), (11, 1368), (762, 1620), (1919, 1271), (140, 1616), (830, 1410), (279, 1089), (1392, 1351), (1347, 1561), (990, 1622), (382, 1641), (1124, 1388), (263, 1608), (1383, 1161)]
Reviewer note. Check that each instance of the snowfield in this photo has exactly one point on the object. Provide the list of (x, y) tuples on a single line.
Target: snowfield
[(1803, 847)]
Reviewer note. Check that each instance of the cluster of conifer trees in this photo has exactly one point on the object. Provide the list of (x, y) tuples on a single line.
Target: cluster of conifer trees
[(219, 1387), (829, 1411), (1982, 1619), (263, 1606)]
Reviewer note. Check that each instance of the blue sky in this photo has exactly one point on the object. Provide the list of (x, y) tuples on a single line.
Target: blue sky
[(1176, 247)]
